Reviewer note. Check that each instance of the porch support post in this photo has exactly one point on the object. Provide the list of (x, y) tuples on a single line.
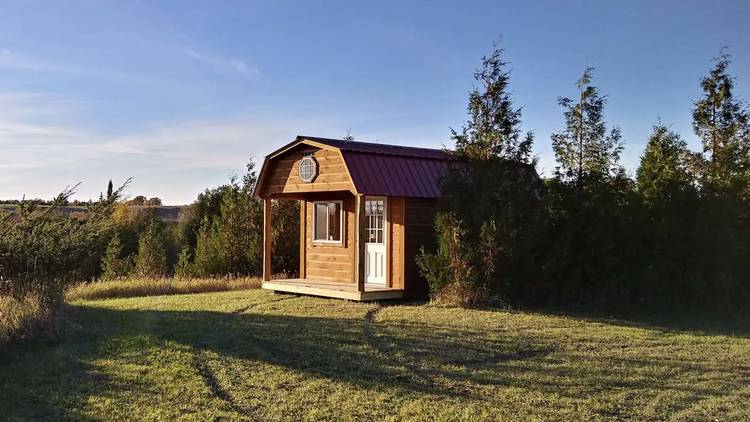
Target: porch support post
[(359, 257), (267, 239), (302, 237)]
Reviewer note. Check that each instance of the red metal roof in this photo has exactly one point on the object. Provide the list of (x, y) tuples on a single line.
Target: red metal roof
[(381, 169), (393, 175), (392, 170), (376, 148)]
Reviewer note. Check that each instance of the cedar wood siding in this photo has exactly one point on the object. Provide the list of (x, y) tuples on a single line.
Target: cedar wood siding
[(396, 241), (326, 261), (336, 262), (420, 216), (409, 221), (283, 173)]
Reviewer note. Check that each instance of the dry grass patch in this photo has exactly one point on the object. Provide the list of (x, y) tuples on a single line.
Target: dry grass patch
[(137, 287), (22, 318)]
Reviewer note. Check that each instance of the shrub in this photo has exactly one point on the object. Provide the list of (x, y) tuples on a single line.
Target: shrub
[(23, 318), (114, 264), (42, 251), (184, 268), (210, 258), (461, 272), (152, 252), (222, 232)]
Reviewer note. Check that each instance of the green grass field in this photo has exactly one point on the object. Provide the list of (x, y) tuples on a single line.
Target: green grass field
[(258, 356)]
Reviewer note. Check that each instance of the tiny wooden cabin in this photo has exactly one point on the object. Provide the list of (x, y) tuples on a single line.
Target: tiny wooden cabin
[(365, 210)]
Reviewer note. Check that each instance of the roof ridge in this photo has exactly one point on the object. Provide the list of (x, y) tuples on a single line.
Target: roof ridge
[(380, 148)]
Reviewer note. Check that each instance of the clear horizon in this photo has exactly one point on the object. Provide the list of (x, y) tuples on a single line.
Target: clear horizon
[(179, 98)]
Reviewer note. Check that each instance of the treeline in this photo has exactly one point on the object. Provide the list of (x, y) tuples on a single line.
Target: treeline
[(42, 252), (64, 201), (219, 235), (674, 237)]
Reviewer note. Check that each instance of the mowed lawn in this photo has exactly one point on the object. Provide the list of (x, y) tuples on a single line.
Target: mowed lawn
[(258, 356)]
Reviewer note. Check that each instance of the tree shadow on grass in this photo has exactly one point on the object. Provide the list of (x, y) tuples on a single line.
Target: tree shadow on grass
[(404, 358), (54, 382), (670, 323)]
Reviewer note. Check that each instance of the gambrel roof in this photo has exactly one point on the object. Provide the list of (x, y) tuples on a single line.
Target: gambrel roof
[(378, 169)]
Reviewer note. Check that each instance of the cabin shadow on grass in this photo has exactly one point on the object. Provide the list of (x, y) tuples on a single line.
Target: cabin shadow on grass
[(246, 364)]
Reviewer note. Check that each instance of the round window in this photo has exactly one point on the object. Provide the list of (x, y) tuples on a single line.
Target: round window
[(308, 169)]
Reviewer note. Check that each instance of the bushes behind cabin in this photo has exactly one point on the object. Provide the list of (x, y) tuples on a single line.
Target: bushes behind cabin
[(674, 238)]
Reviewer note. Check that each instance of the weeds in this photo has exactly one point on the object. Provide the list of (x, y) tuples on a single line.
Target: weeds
[(136, 287)]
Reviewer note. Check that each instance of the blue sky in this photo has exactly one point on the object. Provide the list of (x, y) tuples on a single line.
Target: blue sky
[(179, 95)]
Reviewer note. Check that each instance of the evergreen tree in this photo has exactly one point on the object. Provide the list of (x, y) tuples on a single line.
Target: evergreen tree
[(184, 267), (237, 228), (721, 122), (589, 204), (585, 148), (493, 129), (210, 257), (666, 166), (114, 264), (484, 240), (666, 183), (152, 252), (285, 245), (110, 188)]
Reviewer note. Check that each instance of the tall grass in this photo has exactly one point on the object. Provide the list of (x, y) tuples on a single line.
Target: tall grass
[(23, 318), (135, 287)]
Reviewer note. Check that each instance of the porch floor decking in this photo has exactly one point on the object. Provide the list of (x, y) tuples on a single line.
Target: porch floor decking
[(333, 289)]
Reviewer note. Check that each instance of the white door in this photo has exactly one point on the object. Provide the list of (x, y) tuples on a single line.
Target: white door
[(375, 237)]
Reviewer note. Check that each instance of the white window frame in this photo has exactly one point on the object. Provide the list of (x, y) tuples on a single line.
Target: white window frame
[(341, 223), (314, 163), (385, 216)]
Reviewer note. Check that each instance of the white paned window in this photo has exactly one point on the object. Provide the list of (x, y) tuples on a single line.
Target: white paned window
[(308, 169), (328, 222), (375, 216)]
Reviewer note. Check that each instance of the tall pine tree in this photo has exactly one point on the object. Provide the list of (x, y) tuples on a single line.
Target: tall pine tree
[(721, 122), (666, 167), (483, 238), (584, 148), (493, 129), (665, 233), (151, 260), (587, 205)]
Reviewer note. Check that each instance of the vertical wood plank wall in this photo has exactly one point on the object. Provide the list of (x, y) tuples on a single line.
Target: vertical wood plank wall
[(359, 247), (419, 231), (302, 237), (396, 239), (267, 239)]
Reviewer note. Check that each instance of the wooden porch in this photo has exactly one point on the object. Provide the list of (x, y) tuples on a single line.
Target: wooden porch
[(332, 289)]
